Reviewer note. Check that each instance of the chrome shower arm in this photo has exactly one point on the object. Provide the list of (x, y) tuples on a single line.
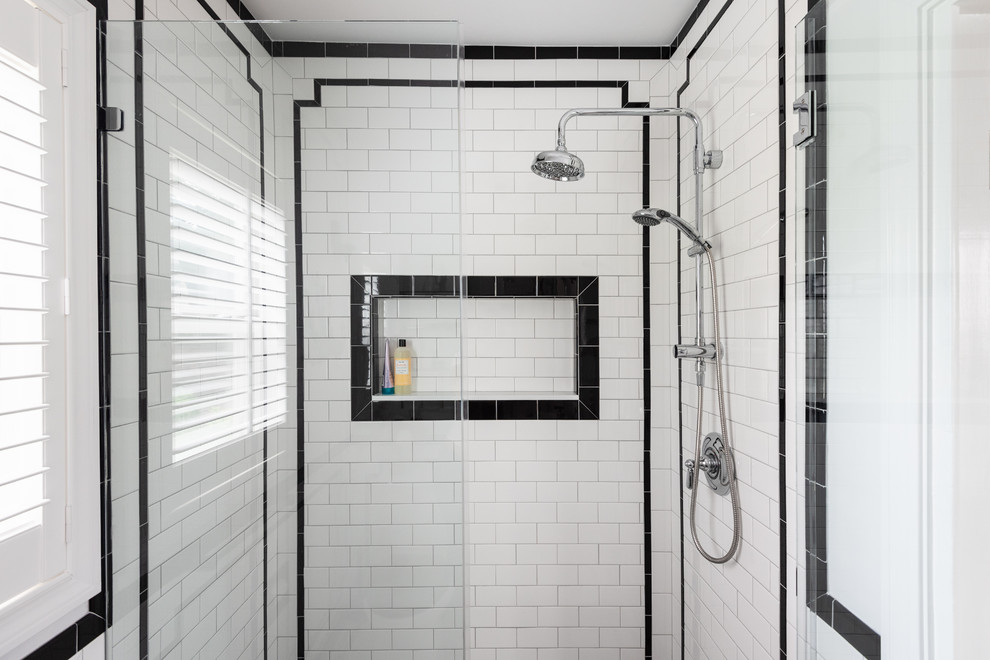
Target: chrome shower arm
[(702, 160), (699, 143)]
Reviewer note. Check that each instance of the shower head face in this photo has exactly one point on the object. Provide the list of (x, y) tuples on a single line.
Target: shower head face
[(558, 165), (653, 217), (648, 217)]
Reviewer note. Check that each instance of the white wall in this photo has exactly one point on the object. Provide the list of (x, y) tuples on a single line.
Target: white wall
[(554, 523), (969, 80), (555, 508), (731, 610), (95, 650), (205, 518)]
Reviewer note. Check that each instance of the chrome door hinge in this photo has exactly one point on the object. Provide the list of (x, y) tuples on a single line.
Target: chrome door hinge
[(805, 109)]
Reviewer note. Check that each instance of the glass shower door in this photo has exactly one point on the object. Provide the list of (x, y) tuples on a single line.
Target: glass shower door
[(264, 170), (886, 233)]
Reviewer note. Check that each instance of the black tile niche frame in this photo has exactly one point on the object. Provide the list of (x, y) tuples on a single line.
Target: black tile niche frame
[(833, 613), (366, 290)]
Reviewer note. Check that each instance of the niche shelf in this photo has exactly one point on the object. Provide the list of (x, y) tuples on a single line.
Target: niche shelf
[(367, 295)]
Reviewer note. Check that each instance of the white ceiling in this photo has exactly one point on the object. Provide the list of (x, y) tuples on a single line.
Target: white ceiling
[(502, 22)]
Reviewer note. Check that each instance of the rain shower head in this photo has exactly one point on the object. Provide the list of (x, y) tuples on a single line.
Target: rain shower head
[(558, 165), (653, 217)]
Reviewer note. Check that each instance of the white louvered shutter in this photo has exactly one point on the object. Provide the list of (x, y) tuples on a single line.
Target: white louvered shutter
[(228, 312), (32, 305)]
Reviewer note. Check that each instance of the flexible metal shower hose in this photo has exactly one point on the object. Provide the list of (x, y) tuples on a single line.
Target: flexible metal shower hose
[(729, 460)]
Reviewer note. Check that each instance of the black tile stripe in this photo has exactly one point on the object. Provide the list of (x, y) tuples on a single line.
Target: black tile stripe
[(300, 378), (692, 19), (143, 504), (142, 295), (471, 52), (781, 274), (833, 613), (782, 322), (102, 605), (367, 289), (647, 411)]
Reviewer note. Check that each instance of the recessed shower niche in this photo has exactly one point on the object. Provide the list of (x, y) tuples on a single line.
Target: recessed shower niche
[(520, 347)]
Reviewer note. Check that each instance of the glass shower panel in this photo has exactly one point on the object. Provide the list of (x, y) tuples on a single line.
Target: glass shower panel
[(274, 184), (891, 188), (195, 514), (375, 144)]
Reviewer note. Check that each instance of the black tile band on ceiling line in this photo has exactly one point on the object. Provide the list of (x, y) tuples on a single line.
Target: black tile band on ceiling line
[(833, 613), (368, 290), (470, 52)]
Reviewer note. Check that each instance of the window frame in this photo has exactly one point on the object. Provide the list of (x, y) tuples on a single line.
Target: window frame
[(47, 609)]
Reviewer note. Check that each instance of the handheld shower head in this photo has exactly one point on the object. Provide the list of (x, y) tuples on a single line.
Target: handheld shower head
[(653, 217), (558, 165)]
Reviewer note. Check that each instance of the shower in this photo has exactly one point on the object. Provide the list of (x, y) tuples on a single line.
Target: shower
[(717, 463), (558, 165), (713, 457)]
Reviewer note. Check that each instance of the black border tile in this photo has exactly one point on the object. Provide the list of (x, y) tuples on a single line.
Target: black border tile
[(515, 286), (515, 52), (481, 410), (557, 287), (516, 409), (557, 409), (598, 52), (435, 410), (480, 286), (391, 411), (365, 290), (556, 52), (389, 50)]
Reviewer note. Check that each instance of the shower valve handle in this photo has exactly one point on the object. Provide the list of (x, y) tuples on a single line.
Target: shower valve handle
[(708, 464)]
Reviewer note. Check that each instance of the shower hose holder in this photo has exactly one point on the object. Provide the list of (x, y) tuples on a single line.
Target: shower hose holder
[(693, 351)]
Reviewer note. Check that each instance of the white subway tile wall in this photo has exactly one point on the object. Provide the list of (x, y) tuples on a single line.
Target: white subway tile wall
[(384, 500), (554, 508), (797, 622), (510, 345), (205, 528), (730, 610), (554, 522)]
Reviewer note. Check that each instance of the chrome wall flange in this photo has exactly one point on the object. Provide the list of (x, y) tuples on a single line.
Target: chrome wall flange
[(713, 159), (714, 458)]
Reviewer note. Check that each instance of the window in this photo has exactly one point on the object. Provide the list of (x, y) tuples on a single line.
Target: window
[(228, 312), (49, 514)]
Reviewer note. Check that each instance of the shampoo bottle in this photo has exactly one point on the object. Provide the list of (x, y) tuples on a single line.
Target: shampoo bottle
[(403, 369), (388, 382)]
